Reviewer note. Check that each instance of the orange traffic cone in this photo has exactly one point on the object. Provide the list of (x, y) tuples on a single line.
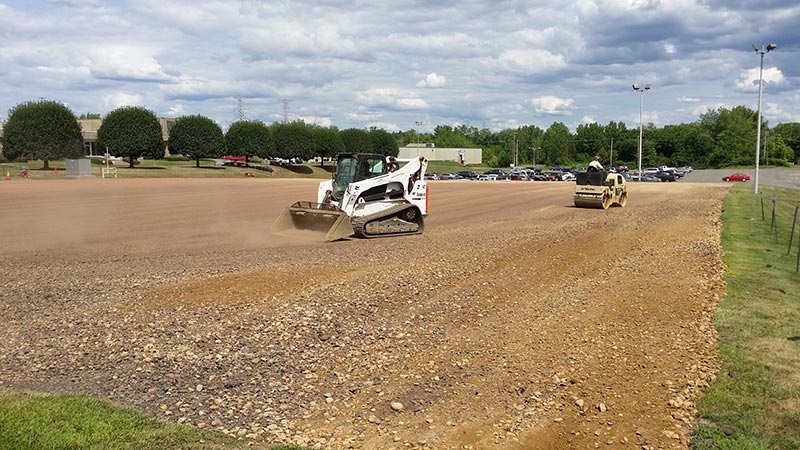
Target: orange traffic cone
[(8, 175)]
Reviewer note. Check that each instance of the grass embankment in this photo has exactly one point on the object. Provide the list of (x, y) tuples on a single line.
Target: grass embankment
[(40, 421), (755, 401)]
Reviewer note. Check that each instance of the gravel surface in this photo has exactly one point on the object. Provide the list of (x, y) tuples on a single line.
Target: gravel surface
[(516, 321)]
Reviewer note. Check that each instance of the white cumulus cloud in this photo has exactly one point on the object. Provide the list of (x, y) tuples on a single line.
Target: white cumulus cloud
[(432, 80), (748, 79), (550, 104), (126, 63)]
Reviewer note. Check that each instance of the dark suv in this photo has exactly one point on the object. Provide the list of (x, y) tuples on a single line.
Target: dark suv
[(666, 175), (468, 175)]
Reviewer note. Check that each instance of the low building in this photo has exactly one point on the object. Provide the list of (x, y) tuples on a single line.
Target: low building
[(432, 153), (89, 129)]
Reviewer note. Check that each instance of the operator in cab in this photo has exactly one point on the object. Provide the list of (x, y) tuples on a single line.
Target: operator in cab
[(595, 165)]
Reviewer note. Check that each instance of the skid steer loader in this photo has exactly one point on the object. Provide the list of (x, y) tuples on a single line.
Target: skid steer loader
[(600, 190), (369, 196)]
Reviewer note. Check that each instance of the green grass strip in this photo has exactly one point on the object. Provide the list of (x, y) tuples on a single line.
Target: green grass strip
[(67, 421), (755, 401)]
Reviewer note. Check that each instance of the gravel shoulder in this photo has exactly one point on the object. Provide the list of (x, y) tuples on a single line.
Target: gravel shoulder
[(515, 321)]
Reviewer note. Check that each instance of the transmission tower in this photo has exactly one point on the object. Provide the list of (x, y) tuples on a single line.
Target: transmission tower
[(240, 109), (286, 110)]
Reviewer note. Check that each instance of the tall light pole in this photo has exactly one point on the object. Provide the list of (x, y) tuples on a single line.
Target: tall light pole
[(418, 122), (641, 118), (764, 49)]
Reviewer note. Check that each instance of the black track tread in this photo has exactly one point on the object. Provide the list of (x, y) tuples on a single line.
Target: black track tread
[(359, 223)]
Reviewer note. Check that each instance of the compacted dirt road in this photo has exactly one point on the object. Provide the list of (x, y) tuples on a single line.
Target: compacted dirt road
[(516, 321)]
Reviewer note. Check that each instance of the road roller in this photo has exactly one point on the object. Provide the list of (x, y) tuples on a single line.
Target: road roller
[(600, 190)]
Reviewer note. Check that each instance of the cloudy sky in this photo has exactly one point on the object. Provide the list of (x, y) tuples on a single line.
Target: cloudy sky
[(390, 64)]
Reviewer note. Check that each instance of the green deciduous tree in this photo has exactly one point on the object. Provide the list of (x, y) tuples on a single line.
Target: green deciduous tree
[(196, 137), (327, 143), (529, 140), (293, 140), (131, 131), (250, 138), (383, 142), (555, 144), (45, 130), (590, 140), (356, 141), (777, 153), (445, 136), (790, 133)]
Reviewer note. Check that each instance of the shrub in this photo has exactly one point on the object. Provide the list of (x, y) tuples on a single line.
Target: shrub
[(176, 158)]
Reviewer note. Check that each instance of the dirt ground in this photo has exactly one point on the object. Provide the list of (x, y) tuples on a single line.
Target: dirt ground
[(516, 321)]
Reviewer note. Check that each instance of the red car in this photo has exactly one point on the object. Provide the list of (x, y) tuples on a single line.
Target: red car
[(737, 177)]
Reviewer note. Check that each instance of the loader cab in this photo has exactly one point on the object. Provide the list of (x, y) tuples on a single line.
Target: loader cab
[(354, 167)]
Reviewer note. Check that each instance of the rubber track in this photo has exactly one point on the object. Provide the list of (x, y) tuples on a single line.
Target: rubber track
[(359, 223)]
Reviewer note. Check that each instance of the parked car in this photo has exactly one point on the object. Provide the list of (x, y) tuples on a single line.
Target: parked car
[(553, 176), (433, 176), (567, 176), (279, 161), (450, 176), (649, 177), (468, 175), (737, 177), (622, 169), (540, 177), (518, 176), (487, 177), (667, 175), (498, 172)]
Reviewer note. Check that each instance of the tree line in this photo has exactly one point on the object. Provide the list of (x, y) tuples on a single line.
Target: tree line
[(48, 130), (719, 138)]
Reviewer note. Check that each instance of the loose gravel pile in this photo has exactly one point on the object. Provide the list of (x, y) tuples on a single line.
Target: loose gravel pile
[(515, 321)]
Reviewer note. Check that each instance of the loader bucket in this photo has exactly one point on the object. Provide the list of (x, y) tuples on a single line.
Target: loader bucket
[(328, 220)]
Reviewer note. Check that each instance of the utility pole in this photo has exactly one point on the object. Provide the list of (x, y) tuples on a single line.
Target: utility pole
[(516, 150), (611, 155)]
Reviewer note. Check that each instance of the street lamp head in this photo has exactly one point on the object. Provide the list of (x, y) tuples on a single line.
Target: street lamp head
[(647, 87), (755, 49), (635, 87), (771, 47)]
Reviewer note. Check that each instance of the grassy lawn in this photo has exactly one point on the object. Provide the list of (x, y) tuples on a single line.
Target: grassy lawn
[(39, 421), (169, 169), (755, 401)]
